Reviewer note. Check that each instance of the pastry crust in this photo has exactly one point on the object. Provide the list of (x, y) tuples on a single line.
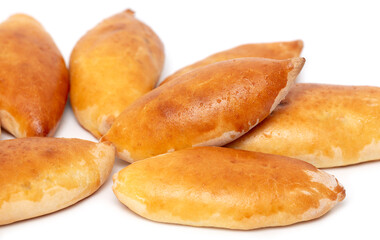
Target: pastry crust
[(275, 50), (227, 188), (326, 125), (43, 175), (33, 78), (210, 106), (111, 66)]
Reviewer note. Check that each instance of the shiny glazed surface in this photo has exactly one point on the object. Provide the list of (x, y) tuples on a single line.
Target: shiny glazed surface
[(212, 105)]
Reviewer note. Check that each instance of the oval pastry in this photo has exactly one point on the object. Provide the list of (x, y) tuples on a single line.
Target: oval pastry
[(42, 175), (227, 188), (275, 50), (210, 106), (325, 125), (110, 67), (34, 79)]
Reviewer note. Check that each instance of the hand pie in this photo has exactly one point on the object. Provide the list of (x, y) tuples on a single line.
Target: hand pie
[(276, 50), (325, 125), (33, 78), (226, 188), (43, 175), (110, 67), (210, 106)]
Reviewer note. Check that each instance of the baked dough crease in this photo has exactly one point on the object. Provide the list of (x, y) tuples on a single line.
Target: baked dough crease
[(34, 79), (111, 66), (325, 125), (210, 106), (275, 50), (43, 175), (226, 188)]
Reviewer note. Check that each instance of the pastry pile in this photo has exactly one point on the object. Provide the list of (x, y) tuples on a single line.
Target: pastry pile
[(230, 141)]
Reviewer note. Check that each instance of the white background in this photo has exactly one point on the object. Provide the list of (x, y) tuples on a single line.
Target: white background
[(341, 47)]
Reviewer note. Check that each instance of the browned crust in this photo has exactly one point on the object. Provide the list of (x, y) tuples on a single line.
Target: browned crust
[(33, 78), (209, 106)]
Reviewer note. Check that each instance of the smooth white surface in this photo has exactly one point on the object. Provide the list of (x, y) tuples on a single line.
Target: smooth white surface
[(341, 47)]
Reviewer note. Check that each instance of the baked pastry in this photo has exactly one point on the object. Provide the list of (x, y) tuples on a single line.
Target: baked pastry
[(110, 67), (43, 175), (33, 78), (275, 50), (210, 106), (325, 125), (227, 188)]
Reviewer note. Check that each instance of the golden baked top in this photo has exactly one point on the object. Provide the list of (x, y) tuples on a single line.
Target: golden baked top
[(326, 125), (275, 50), (212, 105), (111, 66), (212, 186), (33, 78), (34, 167)]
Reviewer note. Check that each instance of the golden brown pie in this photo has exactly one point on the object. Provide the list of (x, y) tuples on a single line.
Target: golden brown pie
[(43, 175), (210, 106), (33, 78), (326, 125), (275, 50), (110, 67), (227, 188)]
